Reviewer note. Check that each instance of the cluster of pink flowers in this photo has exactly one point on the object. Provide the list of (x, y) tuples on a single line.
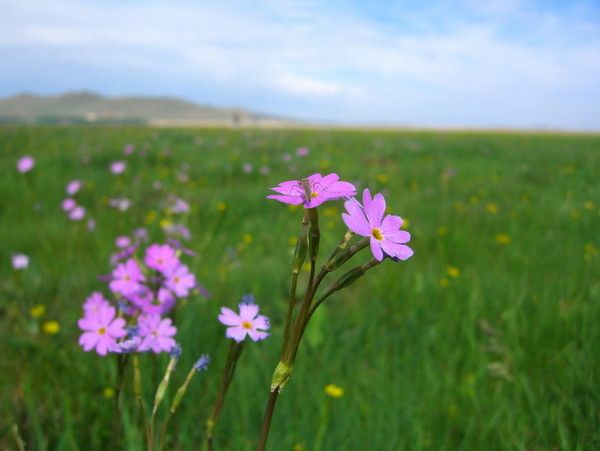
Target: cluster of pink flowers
[(70, 206), (366, 219), (146, 290)]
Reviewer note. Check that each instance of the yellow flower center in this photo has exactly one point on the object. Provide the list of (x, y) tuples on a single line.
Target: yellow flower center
[(314, 194), (247, 325), (377, 234), (176, 279), (102, 331)]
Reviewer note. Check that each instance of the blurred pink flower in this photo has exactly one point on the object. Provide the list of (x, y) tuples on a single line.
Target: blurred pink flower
[(180, 281), (302, 151), (68, 204), (126, 278), (77, 213), (118, 167), (25, 164), (101, 329), (73, 187), (157, 334), (123, 241), (20, 261), (162, 258)]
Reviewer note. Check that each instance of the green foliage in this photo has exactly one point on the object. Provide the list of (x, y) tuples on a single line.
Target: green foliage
[(486, 339)]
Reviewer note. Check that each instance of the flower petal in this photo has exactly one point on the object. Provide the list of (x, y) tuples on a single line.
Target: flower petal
[(237, 333), (229, 318), (88, 340), (355, 218), (293, 200), (261, 322), (257, 335), (376, 249), (248, 311), (375, 210)]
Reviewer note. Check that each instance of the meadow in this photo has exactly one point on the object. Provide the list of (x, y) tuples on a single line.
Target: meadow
[(486, 339)]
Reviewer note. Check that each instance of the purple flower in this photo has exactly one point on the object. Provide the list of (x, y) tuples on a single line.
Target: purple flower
[(68, 204), (73, 187), (128, 149), (122, 241), (91, 225), (94, 303), (126, 278), (77, 213), (120, 203), (246, 323), (179, 206), (178, 231), (101, 329), (312, 191), (202, 363), (20, 261), (118, 167), (161, 258), (180, 281), (140, 234), (25, 164), (157, 334), (156, 305), (126, 346), (384, 232), (302, 151), (247, 168)]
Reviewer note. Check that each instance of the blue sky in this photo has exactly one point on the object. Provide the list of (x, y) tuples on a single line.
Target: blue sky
[(510, 63)]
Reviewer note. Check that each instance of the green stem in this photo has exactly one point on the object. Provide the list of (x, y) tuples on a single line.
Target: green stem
[(137, 388), (266, 424)]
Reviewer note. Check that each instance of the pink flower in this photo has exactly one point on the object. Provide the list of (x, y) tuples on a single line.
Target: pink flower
[(157, 334), (118, 167), (302, 151), (384, 232), (126, 278), (77, 213), (68, 204), (180, 281), (25, 164), (101, 329), (73, 187), (122, 241), (94, 303), (161, 258), (312, 191), (246, 323), (159, 305), (20, 261), (128, 149)]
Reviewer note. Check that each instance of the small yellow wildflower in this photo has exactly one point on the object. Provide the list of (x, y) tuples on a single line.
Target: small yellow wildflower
[(221, 206), (382, 178), (502, 238), (165, 223), (442, 231), (108, 392), (334, 391), (444, 282), (293, 240), (474, 199), (453, 271), (492, 208), (51, 327), (37, 310), (588, 205), (150, 217), (591, 250), (298, 447), (248, 238)]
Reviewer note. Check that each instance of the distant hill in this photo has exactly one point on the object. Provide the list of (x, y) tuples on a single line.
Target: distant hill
[(90, 107)]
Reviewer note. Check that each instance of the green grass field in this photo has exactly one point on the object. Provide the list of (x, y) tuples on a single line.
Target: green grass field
[(486, 339)]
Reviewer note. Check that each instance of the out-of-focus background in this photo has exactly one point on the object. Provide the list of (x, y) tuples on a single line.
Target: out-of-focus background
[(478, 122)]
